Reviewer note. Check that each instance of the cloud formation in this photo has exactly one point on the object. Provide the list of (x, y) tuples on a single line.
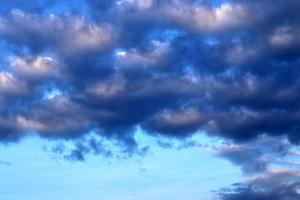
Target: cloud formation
[(170, 67), (256, 156), (277, 185), (270, 166)]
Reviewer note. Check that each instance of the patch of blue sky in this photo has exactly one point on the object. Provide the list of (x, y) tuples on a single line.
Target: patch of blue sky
[(218, 3), (210, 41), (52, 93), (189, 173), (229, 73), (44, 7), (164, 35), (67, 7), (5, 56), (119, 52)]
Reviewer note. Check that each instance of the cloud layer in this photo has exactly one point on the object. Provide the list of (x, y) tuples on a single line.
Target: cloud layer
[(170, 67)]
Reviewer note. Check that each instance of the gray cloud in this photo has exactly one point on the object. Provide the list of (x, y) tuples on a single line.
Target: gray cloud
[(277, 185), (256, 156), (172, 68)]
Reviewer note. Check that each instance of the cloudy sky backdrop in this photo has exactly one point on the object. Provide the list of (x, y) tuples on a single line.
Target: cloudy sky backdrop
[(149, 99)]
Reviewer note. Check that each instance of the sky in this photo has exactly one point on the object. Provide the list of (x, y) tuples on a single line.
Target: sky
[(149, 99)]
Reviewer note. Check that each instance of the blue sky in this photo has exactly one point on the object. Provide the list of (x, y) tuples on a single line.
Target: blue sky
[(149, 99), (194, 172)]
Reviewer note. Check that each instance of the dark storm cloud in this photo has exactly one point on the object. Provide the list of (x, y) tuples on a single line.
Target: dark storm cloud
[(171, 67)]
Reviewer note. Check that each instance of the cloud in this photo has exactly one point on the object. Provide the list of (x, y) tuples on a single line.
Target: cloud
[(66, 34), (255, 156), (11, 85), (271, 169), (274, 186), (36, 68), (170, 67)]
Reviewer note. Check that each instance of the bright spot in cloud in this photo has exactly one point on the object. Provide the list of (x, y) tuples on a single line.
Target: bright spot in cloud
[(52, 94)]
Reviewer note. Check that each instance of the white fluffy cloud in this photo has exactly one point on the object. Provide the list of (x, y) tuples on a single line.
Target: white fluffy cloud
[(11, 85), (37, 67)]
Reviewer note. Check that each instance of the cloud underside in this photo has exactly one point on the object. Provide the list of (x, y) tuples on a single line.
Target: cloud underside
[(170, 67), (277, 185)]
